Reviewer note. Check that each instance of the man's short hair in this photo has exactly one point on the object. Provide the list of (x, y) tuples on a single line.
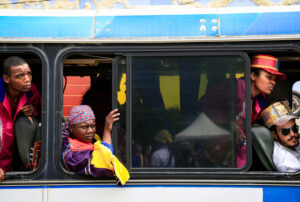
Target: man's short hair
[(9, 62)]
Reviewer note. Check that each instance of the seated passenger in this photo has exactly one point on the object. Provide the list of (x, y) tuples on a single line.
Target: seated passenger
[(162, 156), (279, 118), (17, 96), (82, 149)]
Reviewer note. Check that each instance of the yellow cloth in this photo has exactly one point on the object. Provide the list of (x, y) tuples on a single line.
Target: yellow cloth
[(103, 158)]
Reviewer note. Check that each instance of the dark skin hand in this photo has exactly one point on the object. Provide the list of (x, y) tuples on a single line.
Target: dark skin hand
[(112, 117), (2, 173), (28, 110)]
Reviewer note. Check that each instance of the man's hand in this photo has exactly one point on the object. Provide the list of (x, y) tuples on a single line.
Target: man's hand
[(2, 173), (28, 110)]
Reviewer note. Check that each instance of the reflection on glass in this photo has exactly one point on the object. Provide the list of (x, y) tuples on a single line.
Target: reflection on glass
[(121, 124), (186, 111)]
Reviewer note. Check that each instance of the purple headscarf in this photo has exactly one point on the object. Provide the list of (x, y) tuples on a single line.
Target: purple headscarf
[(78, 114)]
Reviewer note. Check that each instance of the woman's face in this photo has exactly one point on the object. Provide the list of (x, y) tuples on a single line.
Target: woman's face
[(263, 83), (83, 131)]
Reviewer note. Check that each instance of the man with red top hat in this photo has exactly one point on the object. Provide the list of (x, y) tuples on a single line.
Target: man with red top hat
[(279, 118)]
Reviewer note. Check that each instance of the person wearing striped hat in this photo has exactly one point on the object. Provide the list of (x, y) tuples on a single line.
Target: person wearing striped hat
[(264, 73), (83, 151)]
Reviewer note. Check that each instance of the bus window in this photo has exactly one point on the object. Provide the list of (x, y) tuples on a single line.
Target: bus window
[(88, 81), (187, 112), (21, 131)]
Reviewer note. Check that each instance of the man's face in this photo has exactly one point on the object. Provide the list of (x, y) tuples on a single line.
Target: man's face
[(291, 140), (20, 78), (84, 131)]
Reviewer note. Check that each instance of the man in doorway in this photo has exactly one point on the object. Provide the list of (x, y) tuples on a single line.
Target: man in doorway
[(279, 118), (17, 96)]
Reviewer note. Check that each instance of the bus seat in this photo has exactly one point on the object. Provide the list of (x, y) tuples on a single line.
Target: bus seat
[(263, 144), (28, 136)]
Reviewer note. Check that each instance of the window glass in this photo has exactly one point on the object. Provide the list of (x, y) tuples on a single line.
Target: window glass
[(121, 105), (187, 111)]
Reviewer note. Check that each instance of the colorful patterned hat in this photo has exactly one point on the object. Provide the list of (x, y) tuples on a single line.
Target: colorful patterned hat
[(80, 114), (279, 113), (269, 64), (77, 114)]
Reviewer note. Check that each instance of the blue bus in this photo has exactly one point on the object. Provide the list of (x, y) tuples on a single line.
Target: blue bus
[(154, 65)]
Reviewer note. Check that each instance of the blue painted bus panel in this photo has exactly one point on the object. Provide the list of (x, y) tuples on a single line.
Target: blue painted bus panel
[(150, 26), (46, 26), (280, 193), (259, 24), (156, 26)]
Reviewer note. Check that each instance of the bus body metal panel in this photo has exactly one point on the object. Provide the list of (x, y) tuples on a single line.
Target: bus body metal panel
[(157, 26), (247, 24), (133, 193), (142, 28), (46, 27), (25, 194), (150, 193)]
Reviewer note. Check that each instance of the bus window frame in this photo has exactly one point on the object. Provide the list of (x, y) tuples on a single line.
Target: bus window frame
[(15, 50), (143, 172), (61, 57)]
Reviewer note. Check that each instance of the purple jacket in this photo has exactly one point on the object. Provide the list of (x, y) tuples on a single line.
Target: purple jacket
[(77, 157)]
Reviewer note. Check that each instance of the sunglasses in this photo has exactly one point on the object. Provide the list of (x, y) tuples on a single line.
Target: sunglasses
[(286, 131)]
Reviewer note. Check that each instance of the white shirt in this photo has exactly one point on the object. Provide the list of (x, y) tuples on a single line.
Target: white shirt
[(285, 159), (161, 158)]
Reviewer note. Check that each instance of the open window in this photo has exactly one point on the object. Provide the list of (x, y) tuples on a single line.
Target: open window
[(87, 80), (26, 142), (263, 140)]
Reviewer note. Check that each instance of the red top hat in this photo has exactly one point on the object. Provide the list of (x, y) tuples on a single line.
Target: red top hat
[(269, 64)]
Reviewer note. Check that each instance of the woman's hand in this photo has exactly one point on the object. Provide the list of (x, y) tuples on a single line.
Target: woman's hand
[(112, 117)]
